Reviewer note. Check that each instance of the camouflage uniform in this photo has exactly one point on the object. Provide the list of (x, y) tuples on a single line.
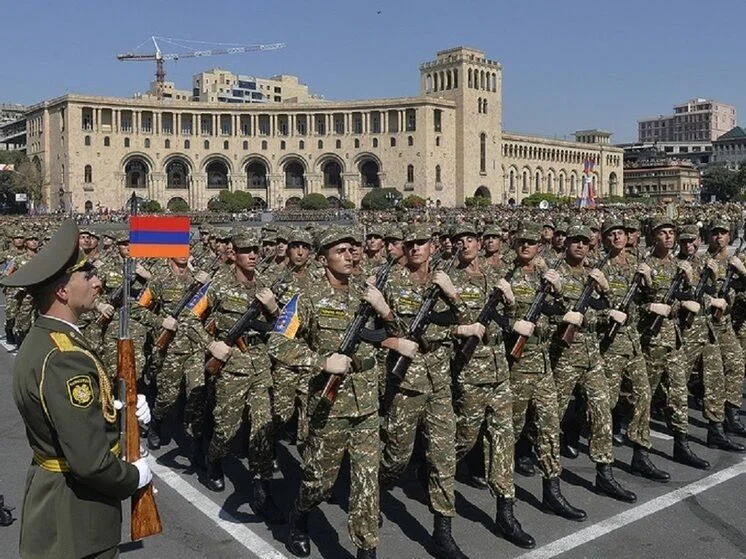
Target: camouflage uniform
[(22, 308)]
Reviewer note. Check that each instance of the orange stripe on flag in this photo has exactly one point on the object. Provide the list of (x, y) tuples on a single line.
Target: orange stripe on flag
[(159, 251)]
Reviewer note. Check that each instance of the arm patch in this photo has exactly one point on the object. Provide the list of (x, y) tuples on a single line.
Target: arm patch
[(80, 391)]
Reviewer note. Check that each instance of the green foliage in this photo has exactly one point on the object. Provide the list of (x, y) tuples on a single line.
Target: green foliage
[(724, 183), (25, 177), (348, 205), (314, 201), (150, 207), (477, 202), (227, 201), (536, 198), (377, 199), (178, 205), (413, 201)]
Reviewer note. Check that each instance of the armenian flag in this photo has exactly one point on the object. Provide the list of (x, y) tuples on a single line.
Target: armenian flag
[(288, 322), (159, 237), (198, 304)]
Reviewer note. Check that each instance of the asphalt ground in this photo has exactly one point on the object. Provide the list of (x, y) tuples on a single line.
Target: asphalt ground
[(697, 514)]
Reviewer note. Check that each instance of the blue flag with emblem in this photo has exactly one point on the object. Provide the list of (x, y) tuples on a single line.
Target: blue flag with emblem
[(288, 322)]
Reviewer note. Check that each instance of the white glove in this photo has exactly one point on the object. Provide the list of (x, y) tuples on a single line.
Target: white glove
[(376, 300), (618, 316), (142, 272), (524, 328), (470, 330), (660, 309), (442, 280), (647, 273), (692, 306), (337, 364), (686, 267), (142, 410), (202, 277), (573, 317), (600, 279), (144, 470), (718, 303), (553, 277), (737, 263), (219, 350), (170, 323), (713, 265), (506, 290), (406, 347), (106, 310), (267, 298)]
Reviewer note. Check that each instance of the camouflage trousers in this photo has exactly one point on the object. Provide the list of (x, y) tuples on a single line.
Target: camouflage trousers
[(11, 303), (595, 388), (290, 393), (172, 369), (702, 352), (106, 341), (434, 411), (238, 396), (323, 453), (668, 364), (489, 404), (733, 361), (630, 370), (25, 316)]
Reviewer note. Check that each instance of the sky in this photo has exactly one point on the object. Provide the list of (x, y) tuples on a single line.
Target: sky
[(567, 66)]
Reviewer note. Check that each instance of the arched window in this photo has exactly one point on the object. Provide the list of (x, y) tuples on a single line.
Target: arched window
[(338, 144), (332, 174), (136, 173), (217, 175), (88, 174), (524, 183), (484, 107), (283, 145), (256, 175), (264, 144), (483, 153), (187, 144), (375, 142), (107, 141), (357, 143), (479, 105), (225, 144), (87, 140), (468, 78), (126, 142), (437, 173), (245, 144), (410, 173), (294, 175), (207, 144), (147, 143), (321, 144), (301, 145), (393, 142), (437, 141), (369, 174), (537, 183), (512, 181), (410, 140), (167, 144)]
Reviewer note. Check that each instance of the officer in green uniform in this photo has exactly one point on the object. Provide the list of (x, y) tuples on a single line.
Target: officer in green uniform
[(76, 480)]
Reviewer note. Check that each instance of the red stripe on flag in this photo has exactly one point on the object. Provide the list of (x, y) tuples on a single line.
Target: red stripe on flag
[(151, 223), (159, 251)]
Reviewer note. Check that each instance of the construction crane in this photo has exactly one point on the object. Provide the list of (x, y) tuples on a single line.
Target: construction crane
[(160, 57)]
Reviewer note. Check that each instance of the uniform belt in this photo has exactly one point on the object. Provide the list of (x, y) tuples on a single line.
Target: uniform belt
[(60, 465)]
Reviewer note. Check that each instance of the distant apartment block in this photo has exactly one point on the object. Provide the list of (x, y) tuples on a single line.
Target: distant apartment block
[(12, 126), (697, 120), (730, 148)]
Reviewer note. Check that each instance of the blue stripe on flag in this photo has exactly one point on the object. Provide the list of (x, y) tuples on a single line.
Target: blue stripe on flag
[(159, 238)]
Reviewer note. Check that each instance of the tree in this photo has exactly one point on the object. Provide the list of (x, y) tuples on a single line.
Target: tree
[(536, 198), (722, 182), (25, 178), (314, 201), (477, 202), (413, 201), (30, 179), (150, 207), (381, 199), (348, 205), (242, 201), (227, 201)]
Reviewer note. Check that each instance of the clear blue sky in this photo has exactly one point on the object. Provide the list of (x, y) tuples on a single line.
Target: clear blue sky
[(567, 65)]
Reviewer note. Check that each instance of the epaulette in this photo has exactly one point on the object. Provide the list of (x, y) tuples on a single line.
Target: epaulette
[(62, 341)]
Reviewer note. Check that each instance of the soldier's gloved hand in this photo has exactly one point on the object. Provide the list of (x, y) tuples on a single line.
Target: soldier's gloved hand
[(376, 300), (267, 298), (647, 274), (142, 410), (524, 328), (737, 263), (540, 263), (470, 330), (442, 280), (170, 323), (106, 310), (406, 347), (718, 303), (660, 309), (190, 263), (202, 277), (714, 267), (143, 469), (220, 350), (553, 277), (618, 316), (599, 277), (573, 317), (692, 306), (141, 271), (506, 290), (337, 364), (686, 267)]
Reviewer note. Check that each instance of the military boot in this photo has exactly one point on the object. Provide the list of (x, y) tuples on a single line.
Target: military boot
[(733, 423), (570, 439), (215, 476), (366, 553), (716, 438), (524, 465), (617, 437), (474, 461), (9, 335), (444, 546), (299, 544), (554, 501), (644, 467), (198, 453), (510, 527), (262, 503), (608, 485), (154, 434), (6, 513), (684, 455)]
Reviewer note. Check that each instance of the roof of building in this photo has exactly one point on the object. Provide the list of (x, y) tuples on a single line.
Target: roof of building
[(736, 132)]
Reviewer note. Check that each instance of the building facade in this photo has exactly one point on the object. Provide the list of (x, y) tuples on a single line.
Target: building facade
[(12, 126), (445, 145), (697, 120), (730, 148), (667, 180)]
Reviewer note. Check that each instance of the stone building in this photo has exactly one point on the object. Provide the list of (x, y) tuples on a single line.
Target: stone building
[(697, 120), (666, 179), (730, 148), (444, 145)]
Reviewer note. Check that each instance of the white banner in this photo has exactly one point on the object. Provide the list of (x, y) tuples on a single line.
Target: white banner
[(21, 197)]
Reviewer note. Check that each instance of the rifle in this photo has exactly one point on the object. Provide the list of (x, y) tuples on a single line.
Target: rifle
[(668, 298), (730, 272), (624, 305), (581, 305), (422, 320), (357, 332), (248, 320), (115, 300), (145, 520), (469, 346), (687, 318)]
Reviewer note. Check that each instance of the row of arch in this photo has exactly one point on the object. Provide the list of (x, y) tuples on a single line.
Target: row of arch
[(448, 79), (560, 182), (553, 155)]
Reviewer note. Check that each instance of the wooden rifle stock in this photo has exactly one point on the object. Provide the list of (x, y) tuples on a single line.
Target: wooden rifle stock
[(145, 520), (115, 301), (518, 347)]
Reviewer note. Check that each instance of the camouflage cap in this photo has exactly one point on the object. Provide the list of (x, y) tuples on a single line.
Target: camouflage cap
[(579, 230), (688, 232), (492, 229), (548, 223), (121, 237), (269, 233), (31, 234), (417, 232), (333, 236), (109, 235), (393, 232), (719, 223), (528, 231), (464, 228), (300, 236), (612, 223), (247, 238), (376, 230), (661, 221), (282, 234), (561, 227), (631, 224), (592, 223), (223, 233)]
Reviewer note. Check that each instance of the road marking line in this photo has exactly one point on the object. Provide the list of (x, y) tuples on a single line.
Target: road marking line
[(8, 347), (234, 527), (663, 436), (620, 520)]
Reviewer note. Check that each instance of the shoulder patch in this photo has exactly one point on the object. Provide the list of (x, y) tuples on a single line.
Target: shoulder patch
[(61, 340), (80, 391)]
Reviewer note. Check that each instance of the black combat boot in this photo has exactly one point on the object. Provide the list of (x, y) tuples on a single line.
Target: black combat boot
[(299, 544), (262, 503), (154, 434), (215, 477), (554, 501), (617, 438), (366, 553), (474, 461), (6, 513), (510, 527), (570, 439), (684, 455), (606, 484), (642, 465), (198, 453), (444, 546), (524, 464), (733, 423), (716, 438)]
